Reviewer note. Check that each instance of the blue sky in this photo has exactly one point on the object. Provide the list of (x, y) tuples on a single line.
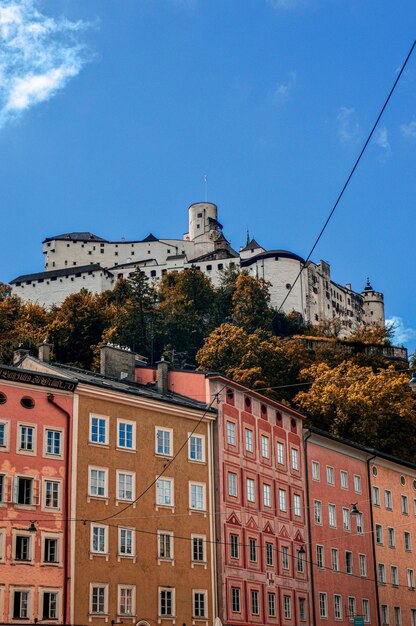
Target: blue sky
[(112, 112)]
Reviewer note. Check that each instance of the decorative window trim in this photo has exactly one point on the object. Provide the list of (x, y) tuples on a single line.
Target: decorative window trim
[(35, 436), (202, 437), (133, 600), (51, 480), (96, 496), (134, 438), (133, 488), (47, 454), (106, 418), (165, 430)]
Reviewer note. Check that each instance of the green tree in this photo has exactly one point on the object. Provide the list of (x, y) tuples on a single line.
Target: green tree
[(251, 303)]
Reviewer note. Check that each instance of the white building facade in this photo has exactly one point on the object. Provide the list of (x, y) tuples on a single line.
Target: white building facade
[(82, 260)]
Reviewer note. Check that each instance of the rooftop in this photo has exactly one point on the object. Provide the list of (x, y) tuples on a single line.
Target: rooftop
[(67, 271), (81, 236)]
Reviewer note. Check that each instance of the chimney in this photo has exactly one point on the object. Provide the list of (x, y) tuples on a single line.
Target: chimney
[(162, 376), (117, 362), (44, 352), (348, 286), (19, 354)]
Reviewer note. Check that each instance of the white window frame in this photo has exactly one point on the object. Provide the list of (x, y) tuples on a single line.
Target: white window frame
[(131, 423), (362, 561), (295, 459), (343, 476), (249, 440), (376, 495), (317, 512), (379, 534), (280, 452), (287, 607), (349, 562), (52, 455), (231, 440), (202, 439), (352, 604), (250, 490), (404, 501), (316, 471), (330, 475), (410, 578), (32, 541), (366, 610), (357, 483), (385, 617), (168, 431), (98, 469), (44, 494), (232, 485), (5, 447), (265, 446), (346, 519), (132, 475), (104, 529), (160, 591), (103, 586), (394, 573), (332, 515), (202, 487), (407, 540), (335, 559), (30, 598), (320, 556), (19, 449), (297, 505), (267, 495), (125, 555), (283, 500), (203, 539), (388, 499), (106, 420), (391, 537), (338, 606), (323, 605), (51, 591), (166, 479), (131, 588), (204, 593), (161, 534)]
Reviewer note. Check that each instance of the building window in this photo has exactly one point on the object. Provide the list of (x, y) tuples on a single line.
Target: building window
[(379, 534), (287, 607), (397, 616), (231, 439), (98, 599), (197, 497), (3, 434), (348, 562), (164, 492), (351, 608), (317, 510), (250, 490), (24, 491), (125, 486), (253, 550), (363, 565), (335, 559), (23, 548), (413, 616), (316, 474), (282, 500), (296, 505), (21, 604), (391, 538), (269, 554), (164, 441), (97, 482), (50, 605), (165, 545), (394, 576), (332, 515), (346, 519), (236, 599), (232, 484), (267, 495), (285, 557), (50, 550), (407, 541), (125, 435), (300, 563), (359, 520), (166, 602), (323, 608), (366, 610), (271, 603), (302, 609), (126, 600), (388, 501), (53, 442), (27, 438), (330, 475), (196, 448), (295, 459), (126, 542), (376, 496), (384, 614), (337, 606), (280, 449), (265, 447), (249, 440), (381, 573), (357, 483), (198, 549), (52, 494), (254, 602), (234, 550), (405, 507), (344, 481), (200, 604), (99, 539), (98, 430), (411, 578)]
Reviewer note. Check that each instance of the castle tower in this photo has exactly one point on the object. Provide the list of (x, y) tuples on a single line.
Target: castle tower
[(373, 303), (203, 221)]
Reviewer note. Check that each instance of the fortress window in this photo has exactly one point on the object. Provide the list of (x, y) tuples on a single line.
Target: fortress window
[(102, 245), (199, 215), (209, 268), (148, 252), (102, 251), (288, 285), (28, 282), (27, 403), (77, 275), (53, 278), (82, 245), (220, 266), (168, 251), (153, 273), (197, 226), (116, 254), (67, 245), (132, 253), (3, 397), (89, 252)]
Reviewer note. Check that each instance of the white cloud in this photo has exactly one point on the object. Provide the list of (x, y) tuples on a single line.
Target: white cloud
[(409, 130), (38, 55), (381, 139), (283, 4), (349, 131), (282, 91), (402, 334)]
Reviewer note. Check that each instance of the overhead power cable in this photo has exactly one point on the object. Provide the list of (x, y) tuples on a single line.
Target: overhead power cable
[(367, 141)]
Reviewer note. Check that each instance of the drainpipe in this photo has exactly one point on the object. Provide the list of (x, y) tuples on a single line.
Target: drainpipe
[(308, 509), (373, 544), (51, 399)]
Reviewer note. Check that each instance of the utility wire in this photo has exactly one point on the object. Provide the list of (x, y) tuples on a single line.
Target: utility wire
[(350, 174)]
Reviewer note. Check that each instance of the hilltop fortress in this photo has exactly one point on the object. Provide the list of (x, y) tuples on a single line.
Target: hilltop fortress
[(82, 260)]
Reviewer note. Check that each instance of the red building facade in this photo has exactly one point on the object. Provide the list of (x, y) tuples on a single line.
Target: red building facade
[(341, 548), (35, 422)]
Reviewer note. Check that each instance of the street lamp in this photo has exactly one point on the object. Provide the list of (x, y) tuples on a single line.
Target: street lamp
[(354, 510), (302, 550), (32, 528)]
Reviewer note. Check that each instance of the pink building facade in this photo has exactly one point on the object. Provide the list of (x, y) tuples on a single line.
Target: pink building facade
[(261, 524), (341, 548), (35, 423)]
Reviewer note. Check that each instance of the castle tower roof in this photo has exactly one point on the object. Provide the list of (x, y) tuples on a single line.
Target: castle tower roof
[(252, 245)]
